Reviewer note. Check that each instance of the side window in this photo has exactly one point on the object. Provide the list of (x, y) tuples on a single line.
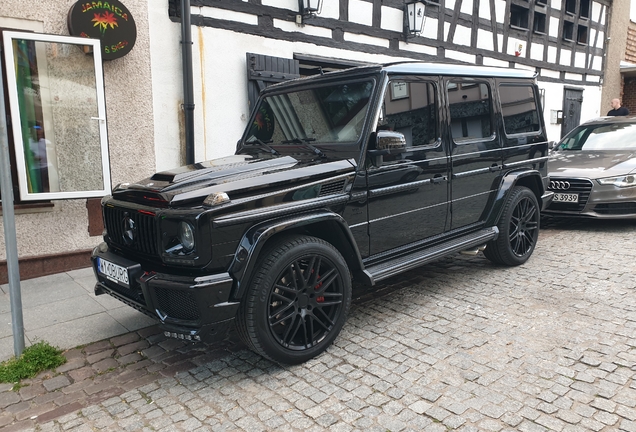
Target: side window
[(410, 108), (470, 110), (519, 109)]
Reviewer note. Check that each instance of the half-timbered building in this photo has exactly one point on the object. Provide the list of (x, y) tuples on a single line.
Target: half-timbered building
[(241, 46)]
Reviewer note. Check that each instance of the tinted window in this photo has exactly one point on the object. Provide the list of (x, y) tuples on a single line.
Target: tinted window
[(470, 112), (410, 108), (333, 113), (519, 109)]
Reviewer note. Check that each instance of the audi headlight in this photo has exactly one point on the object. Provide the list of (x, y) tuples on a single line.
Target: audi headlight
[(186, 236), (621, 182)]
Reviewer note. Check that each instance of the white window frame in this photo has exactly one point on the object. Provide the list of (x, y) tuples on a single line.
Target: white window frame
[(95, 45)]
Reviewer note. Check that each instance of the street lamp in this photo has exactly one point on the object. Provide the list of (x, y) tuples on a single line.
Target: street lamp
[(307, 9), (414, 22)]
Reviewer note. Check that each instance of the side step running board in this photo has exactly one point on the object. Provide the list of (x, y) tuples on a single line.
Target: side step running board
[(403, 263)]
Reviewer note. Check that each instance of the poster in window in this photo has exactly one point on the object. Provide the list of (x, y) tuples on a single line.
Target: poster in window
[(399, 90)]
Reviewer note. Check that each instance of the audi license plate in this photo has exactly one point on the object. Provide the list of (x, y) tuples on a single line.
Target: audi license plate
[(113, 272), (565, 197)]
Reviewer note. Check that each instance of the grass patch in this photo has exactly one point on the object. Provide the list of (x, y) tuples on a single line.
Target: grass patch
[(34, 359)]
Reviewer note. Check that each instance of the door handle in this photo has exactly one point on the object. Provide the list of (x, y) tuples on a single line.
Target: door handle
[(438, 179), (495, 167)]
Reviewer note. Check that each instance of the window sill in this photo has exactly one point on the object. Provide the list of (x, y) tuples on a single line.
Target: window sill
[(524, 29), (42, 207)]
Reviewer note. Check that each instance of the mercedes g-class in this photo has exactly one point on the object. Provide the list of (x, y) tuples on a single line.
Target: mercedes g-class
[(356, 175)]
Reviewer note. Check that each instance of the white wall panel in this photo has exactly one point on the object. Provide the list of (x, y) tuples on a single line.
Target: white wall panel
[(392, 19), (484, 40), (224, 14), (361, 12), (306, 29)]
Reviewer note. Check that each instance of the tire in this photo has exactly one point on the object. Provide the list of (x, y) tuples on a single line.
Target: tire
[(297, 301), (518, 229)]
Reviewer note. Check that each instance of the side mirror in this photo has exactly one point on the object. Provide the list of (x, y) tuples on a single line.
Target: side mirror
[(394, 142)]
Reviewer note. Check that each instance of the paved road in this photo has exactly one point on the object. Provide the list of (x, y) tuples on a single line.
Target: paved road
[(457, 345)]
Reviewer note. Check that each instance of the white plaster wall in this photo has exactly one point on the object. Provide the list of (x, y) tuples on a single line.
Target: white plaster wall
[(554, 101), (220, 82), (64, 228)]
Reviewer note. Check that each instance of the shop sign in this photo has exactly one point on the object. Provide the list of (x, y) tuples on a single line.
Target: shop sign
[(109, 21)]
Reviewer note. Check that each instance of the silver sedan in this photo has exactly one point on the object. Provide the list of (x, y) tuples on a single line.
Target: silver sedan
[(593, 170)]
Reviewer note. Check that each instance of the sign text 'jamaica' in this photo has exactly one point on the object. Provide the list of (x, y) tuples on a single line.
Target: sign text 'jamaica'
[(109, 21)]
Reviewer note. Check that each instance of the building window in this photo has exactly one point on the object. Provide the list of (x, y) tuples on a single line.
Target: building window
[(585, 8), (570, 6), (539, 23), (581, 36), (57, 128), (518, 17), (568, 31)]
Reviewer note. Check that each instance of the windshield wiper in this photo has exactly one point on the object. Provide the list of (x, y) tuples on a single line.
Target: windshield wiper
[(264, 144), (305, 142)]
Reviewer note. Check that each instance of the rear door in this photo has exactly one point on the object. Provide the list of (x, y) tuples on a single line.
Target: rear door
[(476, 156)]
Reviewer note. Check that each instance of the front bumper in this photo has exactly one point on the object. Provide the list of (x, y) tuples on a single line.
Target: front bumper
[(595, 201), (189, 308)]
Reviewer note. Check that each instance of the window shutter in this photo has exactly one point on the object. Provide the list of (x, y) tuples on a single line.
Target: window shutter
[(263, 71)]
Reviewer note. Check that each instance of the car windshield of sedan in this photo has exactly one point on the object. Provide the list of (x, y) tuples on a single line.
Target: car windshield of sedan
[(617, 136), (333, 114)]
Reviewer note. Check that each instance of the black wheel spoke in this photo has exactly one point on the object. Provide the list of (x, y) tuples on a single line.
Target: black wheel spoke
[(325, 318), (278, 313)]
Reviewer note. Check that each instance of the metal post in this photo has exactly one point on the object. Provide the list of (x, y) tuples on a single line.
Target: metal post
[(10, 238)]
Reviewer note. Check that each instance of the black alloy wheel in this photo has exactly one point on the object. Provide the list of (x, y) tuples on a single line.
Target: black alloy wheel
[(518, 229), (298, 300)]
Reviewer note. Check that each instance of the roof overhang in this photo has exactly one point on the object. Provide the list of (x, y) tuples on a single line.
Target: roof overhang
[(628, 69)]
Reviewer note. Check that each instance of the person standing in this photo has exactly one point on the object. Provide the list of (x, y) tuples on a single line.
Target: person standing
[(617, 109)]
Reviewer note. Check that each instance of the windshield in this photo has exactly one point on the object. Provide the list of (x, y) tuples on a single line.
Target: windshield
[(329, 114), (618, 136)]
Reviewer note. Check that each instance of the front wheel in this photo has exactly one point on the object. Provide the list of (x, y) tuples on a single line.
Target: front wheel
[(518, 229), (297, 301)]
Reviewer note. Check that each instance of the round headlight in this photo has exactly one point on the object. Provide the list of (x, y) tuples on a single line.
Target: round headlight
[(186, 236)]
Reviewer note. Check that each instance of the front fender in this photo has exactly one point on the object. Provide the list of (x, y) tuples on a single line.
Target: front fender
[(255, 238), (529, 178)]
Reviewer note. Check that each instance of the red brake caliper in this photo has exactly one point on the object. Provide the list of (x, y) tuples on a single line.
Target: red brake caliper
[(320, 299)]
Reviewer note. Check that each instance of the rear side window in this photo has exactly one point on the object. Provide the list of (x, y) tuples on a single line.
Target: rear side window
[(470, 112), (519, 109)]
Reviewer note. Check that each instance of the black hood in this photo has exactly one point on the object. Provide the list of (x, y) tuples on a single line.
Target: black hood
[(235, 175)]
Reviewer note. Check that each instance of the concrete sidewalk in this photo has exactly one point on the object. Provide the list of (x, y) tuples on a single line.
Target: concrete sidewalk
[(62, 310)]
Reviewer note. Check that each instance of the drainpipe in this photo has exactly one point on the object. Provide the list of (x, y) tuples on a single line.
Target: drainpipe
[(188, 92)]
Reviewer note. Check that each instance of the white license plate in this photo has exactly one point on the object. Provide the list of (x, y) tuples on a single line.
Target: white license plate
[(565, 197), (113, 272)]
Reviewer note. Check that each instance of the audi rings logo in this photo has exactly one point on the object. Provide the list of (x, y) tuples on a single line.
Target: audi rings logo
[(130, 229), (559, 185)]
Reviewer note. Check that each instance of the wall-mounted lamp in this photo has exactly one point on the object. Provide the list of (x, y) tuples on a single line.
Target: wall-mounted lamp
[(308, 9), (414, 18)]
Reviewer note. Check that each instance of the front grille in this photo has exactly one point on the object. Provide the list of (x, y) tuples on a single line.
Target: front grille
[(145, 238), (332, 188), (616, 208), (177, 304), (582, 187)]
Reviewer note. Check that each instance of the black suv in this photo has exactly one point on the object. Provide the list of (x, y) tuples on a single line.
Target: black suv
[(354, 175)]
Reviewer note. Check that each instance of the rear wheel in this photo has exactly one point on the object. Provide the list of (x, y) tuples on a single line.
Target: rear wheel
[(518, 229), (297, 301)]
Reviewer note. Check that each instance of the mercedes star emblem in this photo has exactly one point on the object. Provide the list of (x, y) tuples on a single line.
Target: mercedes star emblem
[(129, 229)]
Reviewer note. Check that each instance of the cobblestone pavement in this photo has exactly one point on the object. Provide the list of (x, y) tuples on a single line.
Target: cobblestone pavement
[(457, 345)]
